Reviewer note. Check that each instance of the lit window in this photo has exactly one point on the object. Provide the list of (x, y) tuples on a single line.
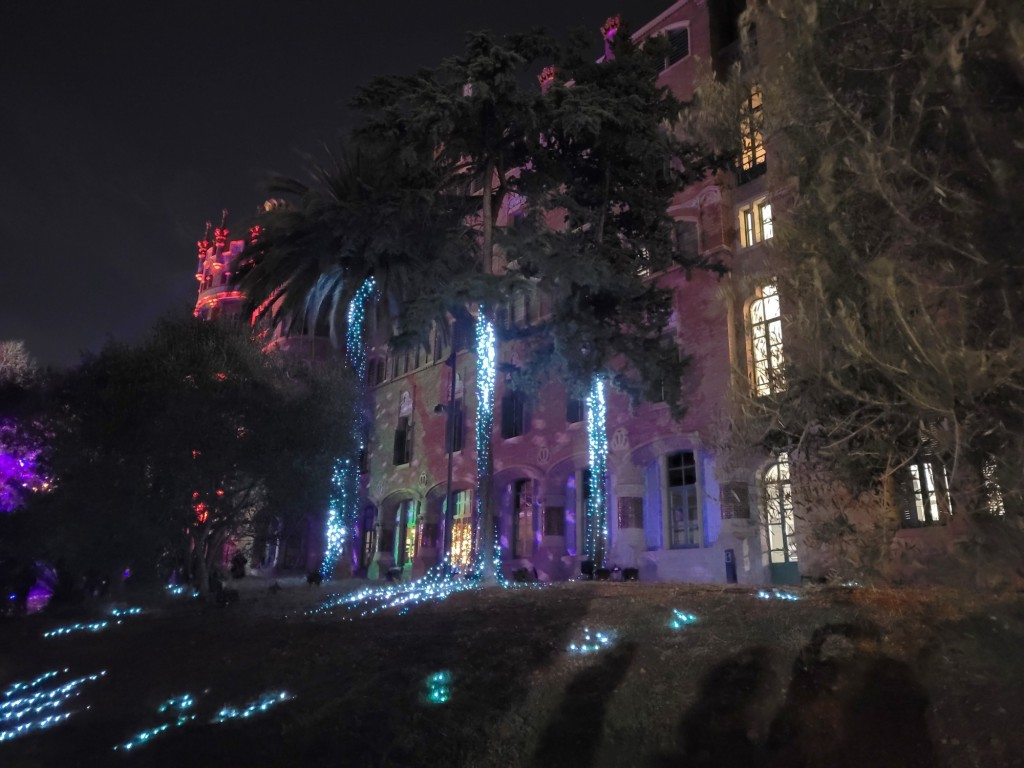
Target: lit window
[(752, 155), (684, 514), (993, 493), (406, 541), (778, 508), (929, 494), (462, 530), (765, 216), (765, 327), (756, 224)]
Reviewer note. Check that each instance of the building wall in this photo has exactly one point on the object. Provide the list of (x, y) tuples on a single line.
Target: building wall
[(543, 468)]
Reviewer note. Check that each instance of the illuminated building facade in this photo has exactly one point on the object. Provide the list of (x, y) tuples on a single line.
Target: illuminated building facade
[(672, 506), (671, 509), (300, 545)]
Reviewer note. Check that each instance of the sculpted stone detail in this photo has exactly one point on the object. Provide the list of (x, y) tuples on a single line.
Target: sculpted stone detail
[(620, 440)]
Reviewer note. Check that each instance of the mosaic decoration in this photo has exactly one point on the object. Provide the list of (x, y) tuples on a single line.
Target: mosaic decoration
[(38, 704), (343, 511)]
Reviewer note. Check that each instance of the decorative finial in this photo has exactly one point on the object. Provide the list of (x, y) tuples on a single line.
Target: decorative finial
[(610, 27), (202, 246), (547, 77), (220, 235)]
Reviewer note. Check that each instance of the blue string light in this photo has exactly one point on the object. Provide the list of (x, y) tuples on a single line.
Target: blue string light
[(596, 526), (486, 377), (681, 619), (94, 626), (180, 590), (777, 594), (182, 705), (343, 509), (260, 705), (592, 642), (22, 704), (438, 687)]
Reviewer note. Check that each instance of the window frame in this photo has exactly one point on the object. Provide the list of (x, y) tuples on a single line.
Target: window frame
[(767, 366), (753, 159), (405, 429), (664, 32), (754, 225), (777, 507), (693, 537), (517, 423)]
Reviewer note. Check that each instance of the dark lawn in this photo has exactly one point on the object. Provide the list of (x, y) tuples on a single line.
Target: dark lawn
[(857, 677)]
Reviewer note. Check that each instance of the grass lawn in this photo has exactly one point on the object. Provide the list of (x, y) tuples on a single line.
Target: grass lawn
[(841, 677)]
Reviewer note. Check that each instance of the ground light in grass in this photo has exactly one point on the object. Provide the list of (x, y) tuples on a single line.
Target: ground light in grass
[(118, 613), (38, 704), (260, 705), (438, 687), (95, 626), (400, 597), (182, 706), (777, 594), (680, 619), (592, 642), (70, 629), (180, 590)]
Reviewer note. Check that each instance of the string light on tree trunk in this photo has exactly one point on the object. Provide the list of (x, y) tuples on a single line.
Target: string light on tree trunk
[(343, 510), (486, 377), (596, 526)]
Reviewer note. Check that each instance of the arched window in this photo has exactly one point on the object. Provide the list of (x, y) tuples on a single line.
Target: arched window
[(778, 508), (764, 320)]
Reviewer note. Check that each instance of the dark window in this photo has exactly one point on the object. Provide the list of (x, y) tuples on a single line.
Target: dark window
[(575, 410), (428, 536), (522, 518), (684, 514), (439, 345), (454, 429), (513, 414), (679, 45), (631, 512), (687, 244), (554, 521), (403, 442)]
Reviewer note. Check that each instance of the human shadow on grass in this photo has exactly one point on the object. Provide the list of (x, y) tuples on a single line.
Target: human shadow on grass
[(573, 736), (847, 704)]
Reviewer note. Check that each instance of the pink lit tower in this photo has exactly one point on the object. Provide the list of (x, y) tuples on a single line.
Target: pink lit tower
[(217, 263)]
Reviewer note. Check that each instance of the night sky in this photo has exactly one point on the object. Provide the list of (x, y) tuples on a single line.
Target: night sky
[(125, 127)]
